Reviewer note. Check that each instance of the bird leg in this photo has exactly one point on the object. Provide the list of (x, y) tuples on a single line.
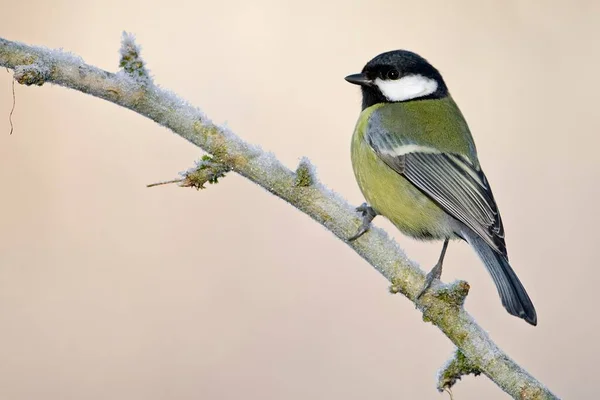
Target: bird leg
[(368, 213), (436, 272)]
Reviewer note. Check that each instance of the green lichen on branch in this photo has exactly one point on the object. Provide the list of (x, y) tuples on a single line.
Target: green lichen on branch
[(32, 74), (393, 289), (454, 369), (453, 295), (207, 170), (400, 280), (131, 61), (305, 174)]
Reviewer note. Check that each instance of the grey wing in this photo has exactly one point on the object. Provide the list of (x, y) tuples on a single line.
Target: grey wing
[(451, 180)]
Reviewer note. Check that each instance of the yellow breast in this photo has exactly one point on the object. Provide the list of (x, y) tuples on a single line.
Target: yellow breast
[(392, 196)]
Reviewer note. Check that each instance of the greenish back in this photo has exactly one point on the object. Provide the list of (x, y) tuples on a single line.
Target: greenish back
[(432, 123)]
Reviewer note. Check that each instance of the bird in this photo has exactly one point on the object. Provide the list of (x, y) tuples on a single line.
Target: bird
[(416, 164)]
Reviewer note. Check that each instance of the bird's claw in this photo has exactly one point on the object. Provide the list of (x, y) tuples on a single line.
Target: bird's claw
[(368, 214), (434, 274), (363, 209)]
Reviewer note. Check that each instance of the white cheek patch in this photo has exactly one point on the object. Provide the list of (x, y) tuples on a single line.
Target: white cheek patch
[(406, 88)]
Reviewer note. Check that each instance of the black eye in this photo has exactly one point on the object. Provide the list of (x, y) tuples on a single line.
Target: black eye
[(393, 74)]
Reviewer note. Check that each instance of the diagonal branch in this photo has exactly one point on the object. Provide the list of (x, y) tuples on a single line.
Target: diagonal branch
[(132, 88)]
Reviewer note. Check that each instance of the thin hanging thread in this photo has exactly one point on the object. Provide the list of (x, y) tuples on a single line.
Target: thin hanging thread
[(13, 107)]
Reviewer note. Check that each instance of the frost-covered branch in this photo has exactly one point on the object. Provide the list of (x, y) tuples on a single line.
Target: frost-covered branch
[(132, 87)]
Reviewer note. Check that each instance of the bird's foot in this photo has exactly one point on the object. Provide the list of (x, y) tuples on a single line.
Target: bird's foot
[(435, 273), (368, 214)]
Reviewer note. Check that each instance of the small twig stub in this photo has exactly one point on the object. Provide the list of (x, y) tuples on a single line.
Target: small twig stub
[(455, 368), (206, 171)]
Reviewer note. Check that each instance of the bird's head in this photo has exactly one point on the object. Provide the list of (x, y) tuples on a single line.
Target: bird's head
[(397, 76)]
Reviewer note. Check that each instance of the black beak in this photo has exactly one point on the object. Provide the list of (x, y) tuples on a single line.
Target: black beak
[(359, 79)]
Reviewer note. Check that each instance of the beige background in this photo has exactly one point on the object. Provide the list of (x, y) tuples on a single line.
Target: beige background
[(110, 290)]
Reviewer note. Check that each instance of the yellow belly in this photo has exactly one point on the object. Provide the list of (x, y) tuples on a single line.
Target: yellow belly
[(394, 197)]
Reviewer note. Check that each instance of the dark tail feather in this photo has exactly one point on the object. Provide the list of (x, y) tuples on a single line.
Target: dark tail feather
[(513, 294)]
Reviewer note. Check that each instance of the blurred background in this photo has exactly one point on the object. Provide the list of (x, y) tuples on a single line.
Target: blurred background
[(111, 290)]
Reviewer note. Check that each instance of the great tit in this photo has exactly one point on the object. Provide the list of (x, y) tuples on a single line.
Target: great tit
[(416, 164)]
